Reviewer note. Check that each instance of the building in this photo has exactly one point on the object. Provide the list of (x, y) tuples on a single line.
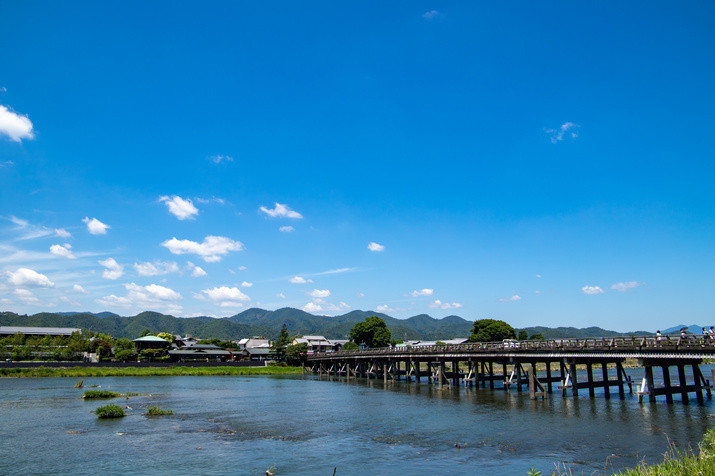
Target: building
[(201, 352), (151, 342), (37, 331), (315, 343)]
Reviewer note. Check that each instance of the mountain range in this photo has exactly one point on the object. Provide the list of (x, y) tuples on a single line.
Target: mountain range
[(260, 322)]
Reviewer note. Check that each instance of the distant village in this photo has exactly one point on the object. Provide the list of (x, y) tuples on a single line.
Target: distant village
[(45, 342)]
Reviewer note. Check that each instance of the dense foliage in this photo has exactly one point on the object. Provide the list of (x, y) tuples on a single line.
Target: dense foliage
[(279, 345), (91, 394), (109, 411), (372, 332), (295, 354), (155, 410), (491, 330)]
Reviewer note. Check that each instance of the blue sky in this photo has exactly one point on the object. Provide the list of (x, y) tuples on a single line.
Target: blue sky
[(545, 164)]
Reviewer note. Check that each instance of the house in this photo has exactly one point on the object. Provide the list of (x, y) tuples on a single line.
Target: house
[(201, 352), (315, 343), (258, 353), (253, 342), (151, 342), (37, 331)]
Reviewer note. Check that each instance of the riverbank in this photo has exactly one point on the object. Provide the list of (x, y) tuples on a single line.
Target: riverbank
[(145, 371), (682, 463)]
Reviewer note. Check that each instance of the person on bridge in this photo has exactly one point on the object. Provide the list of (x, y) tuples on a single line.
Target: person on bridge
[(658, 337)]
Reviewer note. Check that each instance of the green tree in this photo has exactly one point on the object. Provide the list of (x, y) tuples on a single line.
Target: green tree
[(295, 354), (491, 330), (523, 335), (166, 336), (280, 344), (372, 332), (145, 333), (350, 346), (537, 336)]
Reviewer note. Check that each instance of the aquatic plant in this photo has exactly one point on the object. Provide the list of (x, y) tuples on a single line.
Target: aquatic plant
[(79, 384), (145, 371), (155, 410), (110, 411), (89, 394)]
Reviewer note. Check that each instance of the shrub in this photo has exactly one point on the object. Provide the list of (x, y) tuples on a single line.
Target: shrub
[(110, 411), (100, 394), (155, 410)]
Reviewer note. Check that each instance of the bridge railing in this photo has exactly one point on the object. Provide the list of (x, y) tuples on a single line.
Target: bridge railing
[(597, 344)]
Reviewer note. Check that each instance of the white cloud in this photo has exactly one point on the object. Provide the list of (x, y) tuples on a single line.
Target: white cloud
[(423, 292), (28, 230), (28, 277), (299, 280), (196, 271), (341, 306), (179, 207), (430, 14), (62, 251), (157, 268), (286, 229), (361, 295), (15, 126), (217, 159), (211, 250), (114, 270), (226, 297), (6, 163), (592, 290), (567, 129), (246, 284), (623, 287), (152, 296), (281, 295), (69, 301), (79, 289), (312, 307), (385, 308), (513, 298), (280, 211), (62, 233), (95, 227), (444, 305), (242, 268), (538, 275), (26, 296), (372, 246), (319, 293)]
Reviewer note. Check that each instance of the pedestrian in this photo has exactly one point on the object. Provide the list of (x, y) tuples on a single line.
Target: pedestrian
[(706, 335), (712, 334), (658, 336)]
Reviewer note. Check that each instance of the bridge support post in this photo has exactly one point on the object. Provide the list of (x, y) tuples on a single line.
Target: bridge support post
[(606, 382), (589, 373), (651, 385), (548, 376), (683, 383), (698, 383), (619, 373), (503, 367), (666, 384), (574, 379)]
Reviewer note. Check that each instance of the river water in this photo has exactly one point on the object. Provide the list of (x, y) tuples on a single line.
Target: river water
[(303, 425)]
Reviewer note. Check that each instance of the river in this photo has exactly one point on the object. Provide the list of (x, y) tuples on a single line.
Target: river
[(302, 425)]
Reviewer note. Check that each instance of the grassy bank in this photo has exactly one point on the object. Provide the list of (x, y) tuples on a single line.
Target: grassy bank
[(678, 463), (144, 371)]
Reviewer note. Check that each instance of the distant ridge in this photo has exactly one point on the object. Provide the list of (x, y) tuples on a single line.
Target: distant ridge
[(255, 321)]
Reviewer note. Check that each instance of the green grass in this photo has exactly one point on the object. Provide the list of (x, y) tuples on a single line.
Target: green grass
[(109, 411), (155, 410), (90, 394), (681, 463), (79, 384), (144, 371)]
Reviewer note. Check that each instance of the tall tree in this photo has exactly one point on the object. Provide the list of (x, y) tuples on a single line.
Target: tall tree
[(280, 344), (372, 332), (491, 330)]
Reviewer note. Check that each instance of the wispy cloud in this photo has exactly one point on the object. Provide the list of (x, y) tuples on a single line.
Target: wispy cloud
[(591, 290), (626, 286), (157, 268), (430, 15), (567, 129), (372, 246), (211, 249), (437, 304), (422, 292), (513, 298), (152, 296), (280, 211), (286, 229), (217, 159)]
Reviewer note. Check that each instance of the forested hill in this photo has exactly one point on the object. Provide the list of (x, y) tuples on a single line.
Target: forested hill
[(255, 322)]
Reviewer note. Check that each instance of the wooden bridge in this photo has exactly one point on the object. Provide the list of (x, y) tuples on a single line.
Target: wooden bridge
[(536, 365)]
